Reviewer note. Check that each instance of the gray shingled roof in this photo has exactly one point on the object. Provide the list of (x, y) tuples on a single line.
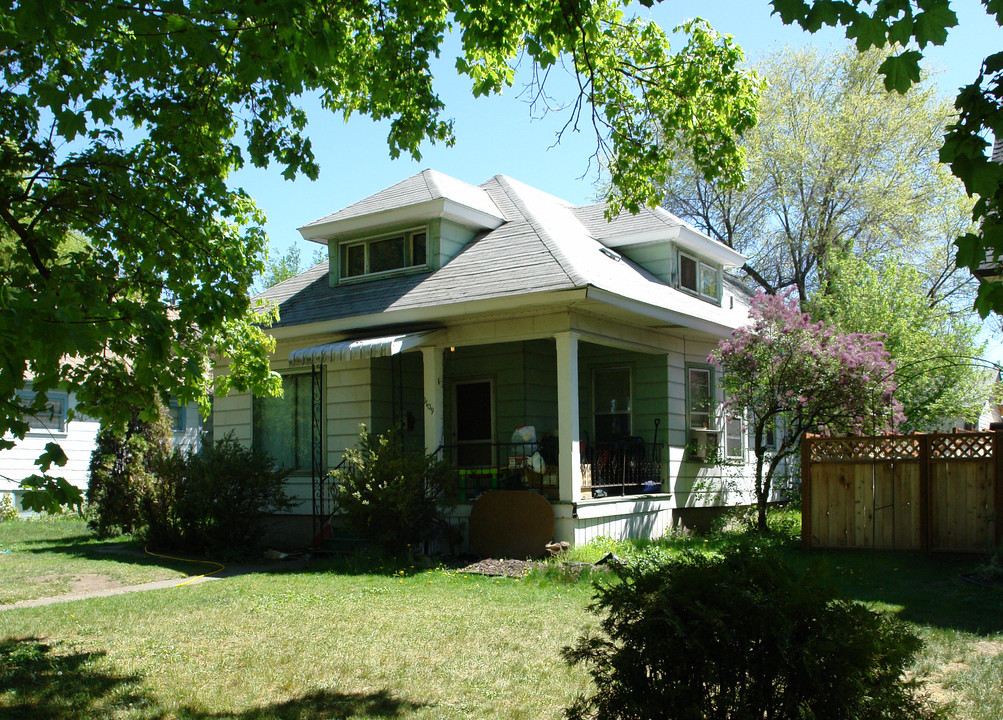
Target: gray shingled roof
[(422, 187), (546, 245)]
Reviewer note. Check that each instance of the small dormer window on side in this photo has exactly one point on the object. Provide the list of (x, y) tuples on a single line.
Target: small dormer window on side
[(384, 254), (699, 278)]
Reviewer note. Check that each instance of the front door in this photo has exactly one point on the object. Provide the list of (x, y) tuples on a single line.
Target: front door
[(475, 415)]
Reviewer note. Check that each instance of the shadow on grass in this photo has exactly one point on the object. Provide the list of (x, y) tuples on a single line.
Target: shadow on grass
[(39, 682), (128, 552), (64, 539), (923, 589), (319, 705), (132, 552)]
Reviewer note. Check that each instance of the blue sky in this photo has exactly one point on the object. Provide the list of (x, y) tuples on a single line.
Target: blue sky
[(498, 135)]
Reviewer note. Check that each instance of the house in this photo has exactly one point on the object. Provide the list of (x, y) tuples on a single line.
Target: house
[(76, 435), (531, 342)]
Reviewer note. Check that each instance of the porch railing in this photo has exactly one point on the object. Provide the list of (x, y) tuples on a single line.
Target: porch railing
[(626, 467), (487, 466)]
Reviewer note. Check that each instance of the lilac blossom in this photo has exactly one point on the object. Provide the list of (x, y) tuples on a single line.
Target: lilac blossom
[(796, 376)]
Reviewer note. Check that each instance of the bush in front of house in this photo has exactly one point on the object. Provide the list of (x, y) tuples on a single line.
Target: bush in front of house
[(740, 636), (121, 470), (391, 493), (215, 501)]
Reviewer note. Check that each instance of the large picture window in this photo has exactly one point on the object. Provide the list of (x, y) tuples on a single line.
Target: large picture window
[(373, 256), (611, 403), (282, 426)]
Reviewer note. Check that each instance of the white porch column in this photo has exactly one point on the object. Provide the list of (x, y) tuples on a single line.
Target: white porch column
[(431, 364), (569, 461)]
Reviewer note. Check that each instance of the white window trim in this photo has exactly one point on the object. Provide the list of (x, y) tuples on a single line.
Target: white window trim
[(62, 396), (407, 234), (703, 441), (700, 267), (712, 419), (743, 433), (182, 423)]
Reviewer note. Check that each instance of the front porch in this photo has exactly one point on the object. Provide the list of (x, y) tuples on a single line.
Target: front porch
[(600, 418), (609, 469)]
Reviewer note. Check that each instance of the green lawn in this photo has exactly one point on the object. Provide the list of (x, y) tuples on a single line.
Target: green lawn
[(342, 641), (57, 556)]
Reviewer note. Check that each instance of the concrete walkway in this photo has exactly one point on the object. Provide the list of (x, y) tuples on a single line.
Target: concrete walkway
[(73, 597), (293, 563)]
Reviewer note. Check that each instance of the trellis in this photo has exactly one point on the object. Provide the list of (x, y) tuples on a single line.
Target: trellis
[(931, 492)]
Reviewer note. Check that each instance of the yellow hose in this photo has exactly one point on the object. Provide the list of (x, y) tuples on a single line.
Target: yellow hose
[(191, 579)]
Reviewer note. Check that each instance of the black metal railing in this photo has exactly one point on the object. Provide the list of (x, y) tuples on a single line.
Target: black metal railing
[(324, 488), (629, 466), (485, 466)]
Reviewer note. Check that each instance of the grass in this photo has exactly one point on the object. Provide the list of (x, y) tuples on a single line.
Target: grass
[(57, 555), (353, 640)]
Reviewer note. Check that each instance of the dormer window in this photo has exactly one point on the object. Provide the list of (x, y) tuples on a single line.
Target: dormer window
[(699, 278), (384, 254)]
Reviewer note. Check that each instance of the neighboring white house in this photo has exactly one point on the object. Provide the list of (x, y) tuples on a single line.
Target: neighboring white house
[(464, 312), (75, 434)]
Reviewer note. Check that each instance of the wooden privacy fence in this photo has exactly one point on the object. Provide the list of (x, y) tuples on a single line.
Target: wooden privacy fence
[(935, 492)]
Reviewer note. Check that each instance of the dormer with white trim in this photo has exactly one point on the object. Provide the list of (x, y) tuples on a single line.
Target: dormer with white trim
[(417, 225)]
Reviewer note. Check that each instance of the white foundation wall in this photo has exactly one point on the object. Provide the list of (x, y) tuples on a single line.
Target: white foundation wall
[(622, 518)]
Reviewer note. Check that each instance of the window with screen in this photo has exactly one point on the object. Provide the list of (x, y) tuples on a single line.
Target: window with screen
[(384, 254)]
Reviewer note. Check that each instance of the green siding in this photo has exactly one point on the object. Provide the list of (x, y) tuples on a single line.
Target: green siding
[(655, 258), (649, 385), (382, 394), (524, 378)]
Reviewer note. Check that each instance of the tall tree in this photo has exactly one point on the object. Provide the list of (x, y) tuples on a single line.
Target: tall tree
[(281, 268), (785, 368), (122, 122), (835, 164), (909, 27), (938, 376)]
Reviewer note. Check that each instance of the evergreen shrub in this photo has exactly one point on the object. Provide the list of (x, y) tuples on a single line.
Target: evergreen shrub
[(740, 636), (215, 501), (121, 471), (393, 494)]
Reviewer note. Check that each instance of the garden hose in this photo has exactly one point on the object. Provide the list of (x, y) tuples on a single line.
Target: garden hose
[(191, 579)]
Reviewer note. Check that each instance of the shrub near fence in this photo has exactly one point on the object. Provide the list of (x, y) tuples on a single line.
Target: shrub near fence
[(931, 492)]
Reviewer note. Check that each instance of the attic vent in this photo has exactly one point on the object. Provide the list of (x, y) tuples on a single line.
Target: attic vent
[(610, 254)]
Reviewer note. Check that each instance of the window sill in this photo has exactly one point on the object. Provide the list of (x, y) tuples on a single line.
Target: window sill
[(399, 272), (46, 433)]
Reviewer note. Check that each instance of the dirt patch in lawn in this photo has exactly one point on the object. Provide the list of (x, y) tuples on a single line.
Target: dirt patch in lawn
[(79, 583), (499, 568), (988, 647)]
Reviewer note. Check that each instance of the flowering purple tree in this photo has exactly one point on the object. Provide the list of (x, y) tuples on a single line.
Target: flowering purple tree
[(801, 376)]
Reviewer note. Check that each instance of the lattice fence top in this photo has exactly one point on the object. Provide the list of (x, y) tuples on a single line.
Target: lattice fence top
[(955, 446), (971, 446), (864, 448)]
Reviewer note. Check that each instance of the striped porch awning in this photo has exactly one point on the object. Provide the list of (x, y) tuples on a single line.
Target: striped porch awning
[(346, 350)]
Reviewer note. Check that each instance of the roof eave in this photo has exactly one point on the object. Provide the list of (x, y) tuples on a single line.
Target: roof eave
[(663, 314), (445, 208)]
